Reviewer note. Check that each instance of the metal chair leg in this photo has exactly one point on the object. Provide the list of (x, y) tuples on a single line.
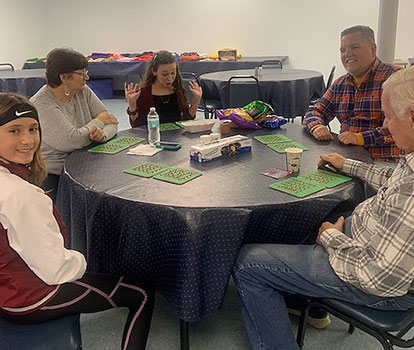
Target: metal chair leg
[(300, 336), (184, 336)]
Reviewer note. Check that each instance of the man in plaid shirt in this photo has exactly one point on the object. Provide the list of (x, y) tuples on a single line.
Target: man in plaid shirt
[(367, 259), (355, 98)]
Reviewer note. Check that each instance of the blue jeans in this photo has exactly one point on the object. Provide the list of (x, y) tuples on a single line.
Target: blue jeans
[(262, 271)]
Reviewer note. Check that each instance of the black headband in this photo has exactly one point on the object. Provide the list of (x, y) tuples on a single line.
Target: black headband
[(22, 110)]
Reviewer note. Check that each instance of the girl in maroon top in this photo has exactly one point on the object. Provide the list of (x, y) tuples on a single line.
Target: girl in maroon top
[(41, 279), (162, 88)]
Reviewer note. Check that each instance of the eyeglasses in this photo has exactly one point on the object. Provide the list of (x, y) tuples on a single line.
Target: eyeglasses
[(83, 73)]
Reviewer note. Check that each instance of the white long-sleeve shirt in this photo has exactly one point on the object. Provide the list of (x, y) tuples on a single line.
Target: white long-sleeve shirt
[(26, 214)]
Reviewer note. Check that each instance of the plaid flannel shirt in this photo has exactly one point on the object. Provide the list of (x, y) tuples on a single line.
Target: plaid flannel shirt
[(358, 110), (379, 258)]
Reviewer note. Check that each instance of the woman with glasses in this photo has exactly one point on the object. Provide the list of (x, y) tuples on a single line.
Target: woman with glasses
[(71, 116), (162, 88)]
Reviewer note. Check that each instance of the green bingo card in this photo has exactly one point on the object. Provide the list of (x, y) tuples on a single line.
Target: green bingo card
[(169, 126), (275, 138), (325, 178), (296, 187), (177, 175), (116, 145), (146, 169), (281, 146)]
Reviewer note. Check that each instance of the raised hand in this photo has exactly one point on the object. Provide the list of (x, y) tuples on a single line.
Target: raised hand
[(132, 93), (195, 89)]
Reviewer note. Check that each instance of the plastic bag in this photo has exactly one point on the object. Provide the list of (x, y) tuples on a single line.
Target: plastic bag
[(272, 121), (238, 116), (257, 109)]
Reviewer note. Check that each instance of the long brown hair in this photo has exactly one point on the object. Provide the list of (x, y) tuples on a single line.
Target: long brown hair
[(37, 166), (166, 57)]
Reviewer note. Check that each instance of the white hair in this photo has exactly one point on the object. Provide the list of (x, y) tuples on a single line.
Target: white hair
[(401, 84)]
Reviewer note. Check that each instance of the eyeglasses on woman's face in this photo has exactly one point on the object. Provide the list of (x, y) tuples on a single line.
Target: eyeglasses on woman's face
[(83, 72)]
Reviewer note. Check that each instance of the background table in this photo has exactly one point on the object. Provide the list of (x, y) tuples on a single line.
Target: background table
[(288, 91), (114, 68), (25, 82), (185, 238)]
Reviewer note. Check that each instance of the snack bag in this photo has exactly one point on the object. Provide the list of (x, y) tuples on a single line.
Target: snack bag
[(238, 116), (272, 121), (257, 109)]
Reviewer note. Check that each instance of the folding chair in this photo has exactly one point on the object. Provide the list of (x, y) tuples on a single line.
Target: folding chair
[(380, 324), (241, 90), (271, 64), (206, 106), (8, 66)]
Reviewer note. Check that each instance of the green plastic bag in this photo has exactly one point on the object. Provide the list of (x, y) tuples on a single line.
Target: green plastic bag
[(258, 108)]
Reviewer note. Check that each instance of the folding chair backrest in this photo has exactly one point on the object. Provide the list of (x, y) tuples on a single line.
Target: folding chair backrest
[(241, 90), (271, 64), (191, 76), (330, 78), (6, 66)]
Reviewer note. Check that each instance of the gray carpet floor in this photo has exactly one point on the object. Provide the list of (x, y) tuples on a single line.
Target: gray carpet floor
[(221, 330)]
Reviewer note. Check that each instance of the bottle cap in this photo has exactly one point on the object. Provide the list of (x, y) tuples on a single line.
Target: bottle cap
[(152, 109)]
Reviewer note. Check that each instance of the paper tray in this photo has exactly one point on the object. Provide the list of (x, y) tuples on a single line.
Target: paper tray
[(194, 126)]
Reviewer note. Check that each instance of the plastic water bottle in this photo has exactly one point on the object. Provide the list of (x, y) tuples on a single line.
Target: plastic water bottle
[(153, 127)]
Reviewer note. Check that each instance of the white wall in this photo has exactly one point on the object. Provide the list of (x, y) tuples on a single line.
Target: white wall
[(305, 30)]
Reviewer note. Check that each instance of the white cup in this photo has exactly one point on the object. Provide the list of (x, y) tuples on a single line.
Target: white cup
[(293, 158)]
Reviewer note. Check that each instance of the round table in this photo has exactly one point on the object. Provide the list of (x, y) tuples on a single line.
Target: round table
[(185, 238), (288, 91), (25, 82)]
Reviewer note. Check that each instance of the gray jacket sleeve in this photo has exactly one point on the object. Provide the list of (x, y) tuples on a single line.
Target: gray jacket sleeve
[(96, 106), (60, 133)]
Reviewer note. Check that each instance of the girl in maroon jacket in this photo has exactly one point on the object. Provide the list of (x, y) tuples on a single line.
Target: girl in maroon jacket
[(40, 279), (162, 88)]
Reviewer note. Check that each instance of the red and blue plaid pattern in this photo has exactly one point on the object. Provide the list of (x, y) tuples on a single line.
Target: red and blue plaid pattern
[(358, 110)]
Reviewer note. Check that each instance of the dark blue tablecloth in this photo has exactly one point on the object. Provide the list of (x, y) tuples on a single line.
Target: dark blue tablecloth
[(288, 91), (114, 68), (185, 238), (25, 82)]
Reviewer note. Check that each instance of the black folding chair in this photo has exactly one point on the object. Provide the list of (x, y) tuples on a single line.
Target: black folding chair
[(206, 106), (271, 64), (380, 324), (241, 90), (6, 66)]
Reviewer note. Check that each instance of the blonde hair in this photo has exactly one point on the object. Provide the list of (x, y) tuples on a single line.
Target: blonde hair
[(401, 84), (37, 166)]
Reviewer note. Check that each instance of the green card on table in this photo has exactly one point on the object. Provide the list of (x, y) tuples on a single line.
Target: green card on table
[(177, 175), (324, 178), (273, 138), (173, 175), (116, 145), (147, 169), (280, 147), (296, 187), (169, 126)]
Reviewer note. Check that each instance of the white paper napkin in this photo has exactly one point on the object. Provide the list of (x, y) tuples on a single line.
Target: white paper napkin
[(144, 150)]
